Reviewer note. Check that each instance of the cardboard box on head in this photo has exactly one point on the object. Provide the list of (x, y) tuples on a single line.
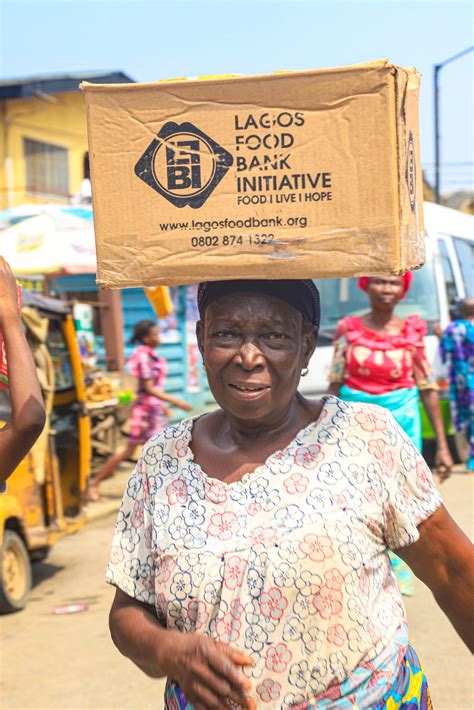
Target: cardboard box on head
[(290, 175)]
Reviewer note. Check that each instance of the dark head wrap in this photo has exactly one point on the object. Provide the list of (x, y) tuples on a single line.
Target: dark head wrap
[(302, 294)]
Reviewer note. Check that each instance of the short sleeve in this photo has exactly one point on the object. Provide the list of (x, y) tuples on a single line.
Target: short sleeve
[(410, 495), (145, 368), (131, 565)]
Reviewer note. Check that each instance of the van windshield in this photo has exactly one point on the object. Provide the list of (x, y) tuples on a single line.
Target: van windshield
[(342, 297)]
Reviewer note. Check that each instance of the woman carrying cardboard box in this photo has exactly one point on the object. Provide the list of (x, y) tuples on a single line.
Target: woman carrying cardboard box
[(250, 553)]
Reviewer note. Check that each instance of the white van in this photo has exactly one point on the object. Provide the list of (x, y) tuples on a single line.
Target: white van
[(446, 277)]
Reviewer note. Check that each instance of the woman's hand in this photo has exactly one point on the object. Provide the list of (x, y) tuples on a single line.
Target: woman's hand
[(210, 673), (167, 411), (443, 462), (8, 292)]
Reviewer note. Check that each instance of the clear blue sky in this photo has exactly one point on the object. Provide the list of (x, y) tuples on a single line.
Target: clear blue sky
[(153, 40)]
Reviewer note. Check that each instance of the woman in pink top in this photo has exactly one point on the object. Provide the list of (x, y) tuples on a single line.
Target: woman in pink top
[(380, 358), (149, 413)]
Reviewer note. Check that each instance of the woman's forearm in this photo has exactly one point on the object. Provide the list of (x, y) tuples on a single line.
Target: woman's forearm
[(443, 559), (170, 399), (430, 401), (207, 671), (458, 606), (27, 415), (139, 636), (455, 595)]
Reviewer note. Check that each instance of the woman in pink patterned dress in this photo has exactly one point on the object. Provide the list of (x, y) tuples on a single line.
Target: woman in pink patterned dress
[(149, 413), (250, 552), (379, 358)]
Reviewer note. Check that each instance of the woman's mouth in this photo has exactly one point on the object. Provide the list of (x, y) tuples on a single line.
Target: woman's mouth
[(249, 391)]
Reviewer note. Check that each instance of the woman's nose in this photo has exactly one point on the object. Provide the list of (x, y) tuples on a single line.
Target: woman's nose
[(250, 355)]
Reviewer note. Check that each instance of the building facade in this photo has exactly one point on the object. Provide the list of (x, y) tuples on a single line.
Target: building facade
[(43, 138), (44, 159)]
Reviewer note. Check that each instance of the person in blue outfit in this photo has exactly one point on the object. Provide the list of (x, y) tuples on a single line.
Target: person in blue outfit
[(457, 350)]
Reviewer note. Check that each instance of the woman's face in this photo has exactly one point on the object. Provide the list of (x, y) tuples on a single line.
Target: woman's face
[(254, 348), (152, 338), (385, 292)]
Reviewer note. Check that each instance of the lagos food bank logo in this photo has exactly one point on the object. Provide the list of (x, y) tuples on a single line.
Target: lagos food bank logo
[(183, 164)]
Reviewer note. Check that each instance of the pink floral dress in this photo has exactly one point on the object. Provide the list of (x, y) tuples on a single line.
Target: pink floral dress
[(289, 564), (148, 414)]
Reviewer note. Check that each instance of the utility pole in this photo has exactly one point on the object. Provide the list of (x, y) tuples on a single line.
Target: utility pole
[(437, 69)]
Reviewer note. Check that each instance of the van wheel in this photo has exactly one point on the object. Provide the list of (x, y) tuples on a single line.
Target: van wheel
[(15, 573)]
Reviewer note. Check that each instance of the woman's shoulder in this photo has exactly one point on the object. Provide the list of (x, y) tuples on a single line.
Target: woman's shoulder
[(171, 442), (348, 325), (137, 354), (414, 328), (357, 412), (361, 421), (140, 349), (349, 322)]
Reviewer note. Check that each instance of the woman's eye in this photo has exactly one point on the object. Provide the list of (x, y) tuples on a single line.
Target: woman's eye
[(227, 334), (275, 336)]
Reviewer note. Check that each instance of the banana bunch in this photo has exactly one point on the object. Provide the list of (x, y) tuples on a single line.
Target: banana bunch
[(99, 389)]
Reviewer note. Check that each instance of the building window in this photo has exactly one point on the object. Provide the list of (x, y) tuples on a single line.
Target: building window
[(47, 168)]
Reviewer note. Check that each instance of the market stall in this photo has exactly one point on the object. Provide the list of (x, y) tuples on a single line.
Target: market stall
[(43, 243)]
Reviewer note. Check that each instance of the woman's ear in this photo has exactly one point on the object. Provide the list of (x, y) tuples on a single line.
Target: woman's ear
[(310, 340), (200, 336)]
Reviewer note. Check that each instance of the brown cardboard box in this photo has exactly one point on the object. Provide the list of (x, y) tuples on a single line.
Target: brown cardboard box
[(290, 175)]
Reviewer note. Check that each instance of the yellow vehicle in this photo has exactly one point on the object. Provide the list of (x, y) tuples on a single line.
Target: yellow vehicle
[(44, 495)]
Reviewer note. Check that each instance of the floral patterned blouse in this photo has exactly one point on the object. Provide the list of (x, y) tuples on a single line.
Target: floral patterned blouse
[(378, 362), (289, 564)]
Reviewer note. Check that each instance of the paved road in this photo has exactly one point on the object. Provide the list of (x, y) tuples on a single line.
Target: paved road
[(69, 663)]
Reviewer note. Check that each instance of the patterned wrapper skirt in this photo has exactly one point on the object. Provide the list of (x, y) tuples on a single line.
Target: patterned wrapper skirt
[(409, 692)]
